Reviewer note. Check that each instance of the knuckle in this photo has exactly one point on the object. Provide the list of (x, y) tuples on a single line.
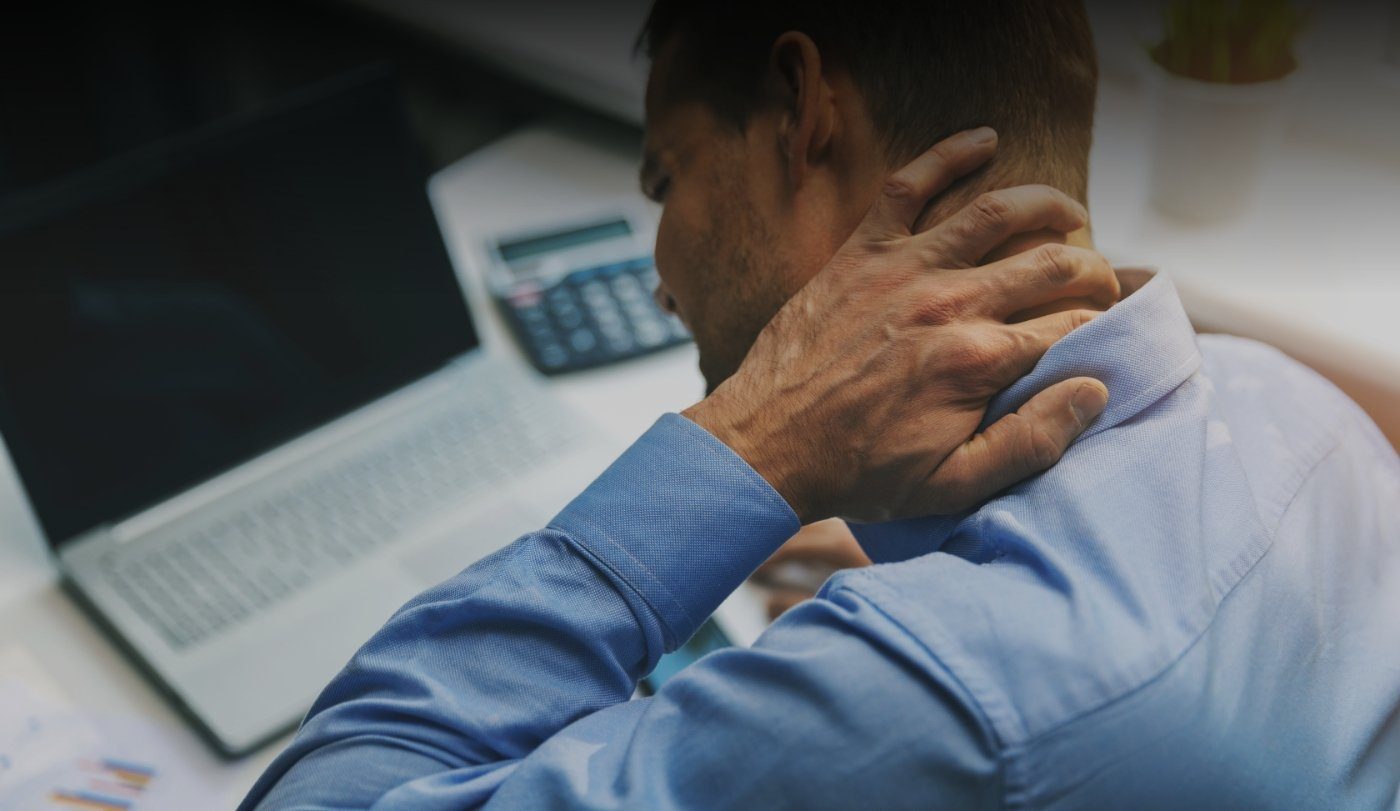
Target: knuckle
[(1078, 318), (939, 306), (991, 211), (977, 359), (1055, 262), (933, 311), (901, 186), (1040, 449)]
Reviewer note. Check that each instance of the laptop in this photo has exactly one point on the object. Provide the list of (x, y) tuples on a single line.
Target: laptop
[(241, 386)]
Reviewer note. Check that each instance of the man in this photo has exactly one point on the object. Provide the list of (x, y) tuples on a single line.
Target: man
[(1197, 606)]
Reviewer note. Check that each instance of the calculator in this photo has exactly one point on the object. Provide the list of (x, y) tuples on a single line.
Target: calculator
[(580, 295)]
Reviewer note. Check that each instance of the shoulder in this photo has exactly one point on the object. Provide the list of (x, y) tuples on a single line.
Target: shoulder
[(1086, 583), (1282, 418), (1254, 380)]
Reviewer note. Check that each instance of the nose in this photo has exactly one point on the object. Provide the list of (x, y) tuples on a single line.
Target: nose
[(665, 300)]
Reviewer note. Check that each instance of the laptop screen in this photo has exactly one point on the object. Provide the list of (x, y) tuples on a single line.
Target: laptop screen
[(165, 319)]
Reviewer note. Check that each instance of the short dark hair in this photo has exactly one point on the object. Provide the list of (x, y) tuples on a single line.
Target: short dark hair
[(927, 69)]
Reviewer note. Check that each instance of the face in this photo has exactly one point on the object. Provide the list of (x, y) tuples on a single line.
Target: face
[(721, 266), (740, 232)]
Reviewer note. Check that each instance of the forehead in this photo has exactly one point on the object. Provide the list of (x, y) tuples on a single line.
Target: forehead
[(661, 79), (673, 110), (676, 132)]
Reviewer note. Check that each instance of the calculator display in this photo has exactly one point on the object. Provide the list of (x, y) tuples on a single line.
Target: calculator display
[(512, 252)]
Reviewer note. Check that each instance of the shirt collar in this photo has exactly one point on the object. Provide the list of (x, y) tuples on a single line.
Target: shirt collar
[(1141, 348)]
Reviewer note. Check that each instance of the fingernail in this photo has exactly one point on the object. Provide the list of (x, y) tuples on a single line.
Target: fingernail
[(1089, 402), (983, 135)]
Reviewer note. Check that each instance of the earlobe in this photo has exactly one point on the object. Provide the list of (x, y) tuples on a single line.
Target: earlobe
[(808, 121)]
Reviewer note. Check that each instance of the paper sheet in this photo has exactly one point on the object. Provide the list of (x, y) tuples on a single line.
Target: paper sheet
[(53, 756)]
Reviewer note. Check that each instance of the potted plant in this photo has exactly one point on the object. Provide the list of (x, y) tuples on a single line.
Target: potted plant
[(1221, 73)]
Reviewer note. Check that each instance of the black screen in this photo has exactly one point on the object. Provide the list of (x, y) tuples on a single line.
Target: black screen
[(166, 319)]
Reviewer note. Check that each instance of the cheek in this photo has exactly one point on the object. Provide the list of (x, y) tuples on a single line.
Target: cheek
[(680, 260), (665, 251)]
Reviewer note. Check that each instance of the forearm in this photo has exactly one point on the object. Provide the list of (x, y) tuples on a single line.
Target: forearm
[(479, 671)]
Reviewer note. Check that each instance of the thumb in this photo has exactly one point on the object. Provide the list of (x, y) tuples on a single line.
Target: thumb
[(1015, 447)]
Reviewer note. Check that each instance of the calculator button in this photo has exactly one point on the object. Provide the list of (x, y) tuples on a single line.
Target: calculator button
[(553, 356), (639, 310), (627, 287), (582, 341), (612, 329), (620, 342), (607, 313), (567, 314), (650, 333)]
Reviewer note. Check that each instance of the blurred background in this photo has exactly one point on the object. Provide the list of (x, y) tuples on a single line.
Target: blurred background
[(1291, 185), (1267, 186)]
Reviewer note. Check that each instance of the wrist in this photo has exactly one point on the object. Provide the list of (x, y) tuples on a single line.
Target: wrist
[(758, 441)]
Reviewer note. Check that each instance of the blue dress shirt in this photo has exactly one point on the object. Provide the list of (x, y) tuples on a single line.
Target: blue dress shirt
[(1198, 607)]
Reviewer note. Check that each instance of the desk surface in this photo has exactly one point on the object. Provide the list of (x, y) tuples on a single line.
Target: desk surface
[(1324, 283)]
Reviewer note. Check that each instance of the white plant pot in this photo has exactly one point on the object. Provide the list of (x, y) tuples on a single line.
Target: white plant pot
[(1209, 143)]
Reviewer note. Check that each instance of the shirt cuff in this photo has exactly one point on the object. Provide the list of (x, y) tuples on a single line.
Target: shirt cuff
[(682, 519)]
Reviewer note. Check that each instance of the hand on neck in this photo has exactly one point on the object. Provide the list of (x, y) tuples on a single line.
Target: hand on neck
[(1082, 238)]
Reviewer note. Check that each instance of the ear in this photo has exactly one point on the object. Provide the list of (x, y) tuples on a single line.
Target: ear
[(808, 114)]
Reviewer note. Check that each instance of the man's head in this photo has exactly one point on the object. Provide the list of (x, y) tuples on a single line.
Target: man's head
[(773, 123)]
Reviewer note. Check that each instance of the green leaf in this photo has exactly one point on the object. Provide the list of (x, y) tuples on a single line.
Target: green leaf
[(1230, 41)]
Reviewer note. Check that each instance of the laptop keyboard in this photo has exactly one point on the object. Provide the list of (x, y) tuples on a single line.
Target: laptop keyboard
[(194, 587)]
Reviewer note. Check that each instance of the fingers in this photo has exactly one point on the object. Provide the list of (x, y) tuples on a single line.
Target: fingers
[(1008, 352), (907, 191), (1035, 337), (1046, 274), (995, 217), (1015, 447)]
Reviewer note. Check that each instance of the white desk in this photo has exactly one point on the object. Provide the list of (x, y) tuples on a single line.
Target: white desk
[(1333, 287)]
